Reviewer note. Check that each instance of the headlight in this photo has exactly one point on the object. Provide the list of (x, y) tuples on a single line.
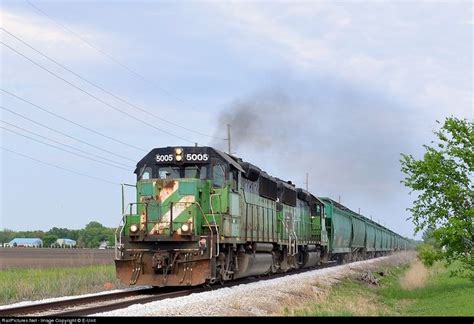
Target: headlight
[(184, 227), (134, 228), (178, 154)]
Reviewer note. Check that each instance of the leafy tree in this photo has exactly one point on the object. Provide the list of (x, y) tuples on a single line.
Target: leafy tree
[(94, 225), (64, 233), (94, 234), (428, 236), (7, 235), (49, 239), (30, 234), (444, 182), (91, 236), (74, 234), (59, 232)]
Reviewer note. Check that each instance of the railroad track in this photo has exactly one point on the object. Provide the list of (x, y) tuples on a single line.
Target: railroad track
[(83, 306)]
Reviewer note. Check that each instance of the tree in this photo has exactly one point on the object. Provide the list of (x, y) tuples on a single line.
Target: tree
[(94, 224), (49, 239), (428, 235), (94, 233), (444, 181), (7, 235)]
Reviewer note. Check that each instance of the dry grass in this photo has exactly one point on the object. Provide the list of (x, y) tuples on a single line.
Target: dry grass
[(347, 299), (363, 304), (415, 277), (338, 302), (402, 290), (319, 291)]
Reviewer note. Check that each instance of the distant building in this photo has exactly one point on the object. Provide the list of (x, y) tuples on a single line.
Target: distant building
[(104, 245), (26, 242), (65, 243)]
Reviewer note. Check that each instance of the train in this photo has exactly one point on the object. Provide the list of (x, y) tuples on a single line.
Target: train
[(203, 216)]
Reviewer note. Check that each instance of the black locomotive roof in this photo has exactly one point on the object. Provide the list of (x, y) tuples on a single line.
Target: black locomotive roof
[(150, 158), (308, 196)]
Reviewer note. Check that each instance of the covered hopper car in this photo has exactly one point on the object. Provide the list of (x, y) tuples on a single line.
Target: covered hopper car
[(202, 215)]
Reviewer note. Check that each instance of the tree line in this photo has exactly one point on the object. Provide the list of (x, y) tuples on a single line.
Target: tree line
[(89, 237)]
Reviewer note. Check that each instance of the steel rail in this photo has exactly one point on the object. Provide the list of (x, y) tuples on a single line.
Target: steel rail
[(40, 307)]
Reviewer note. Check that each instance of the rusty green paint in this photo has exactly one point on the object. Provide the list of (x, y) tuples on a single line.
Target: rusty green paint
[(129, 221)]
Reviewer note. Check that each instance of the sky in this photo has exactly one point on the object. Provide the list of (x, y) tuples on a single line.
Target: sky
[(333, 89)]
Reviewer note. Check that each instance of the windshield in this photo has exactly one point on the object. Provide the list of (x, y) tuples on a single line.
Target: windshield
[(174, 172), (169, 172)]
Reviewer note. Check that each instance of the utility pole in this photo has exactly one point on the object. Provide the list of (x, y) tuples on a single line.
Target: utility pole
[(228, 137), (306, 183), (359, 211), (339, 198)]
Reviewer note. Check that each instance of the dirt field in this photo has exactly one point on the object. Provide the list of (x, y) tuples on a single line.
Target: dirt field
[(47, 258)]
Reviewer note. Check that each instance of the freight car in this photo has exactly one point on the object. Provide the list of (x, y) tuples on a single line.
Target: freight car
[(355, 237), (202, 215)]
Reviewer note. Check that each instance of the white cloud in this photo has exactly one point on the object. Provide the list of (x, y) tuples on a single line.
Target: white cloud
[(403, 56), (293, 46), (437, 95), (48, 37), (366, 67), (344, 21), (33, 83)]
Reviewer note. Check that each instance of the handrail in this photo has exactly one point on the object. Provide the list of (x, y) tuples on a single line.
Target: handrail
[(119, 240), (118, 234), (123, 194), (215, 224), (208, 225), (121, 226)]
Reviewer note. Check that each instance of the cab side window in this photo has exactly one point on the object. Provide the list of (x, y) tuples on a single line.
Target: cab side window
[(145, 173), (234, 178), (318, 210), (218, 174)]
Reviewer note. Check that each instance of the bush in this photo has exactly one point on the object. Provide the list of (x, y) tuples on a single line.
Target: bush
[(428, 254)]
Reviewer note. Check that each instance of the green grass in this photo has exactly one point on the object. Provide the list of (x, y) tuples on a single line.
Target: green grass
[(441, 295), (32, 284)]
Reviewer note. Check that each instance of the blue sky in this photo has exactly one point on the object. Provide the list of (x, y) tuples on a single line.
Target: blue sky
[(336, 89)]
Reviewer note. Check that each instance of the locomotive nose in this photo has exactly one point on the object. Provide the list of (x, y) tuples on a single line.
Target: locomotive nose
[(174, 210)]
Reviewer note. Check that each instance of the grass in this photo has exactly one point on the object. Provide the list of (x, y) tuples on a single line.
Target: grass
[(32, 284), (402, 291), (443, 295)]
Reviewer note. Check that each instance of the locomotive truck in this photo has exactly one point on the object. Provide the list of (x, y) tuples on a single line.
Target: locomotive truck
[(203, 216)]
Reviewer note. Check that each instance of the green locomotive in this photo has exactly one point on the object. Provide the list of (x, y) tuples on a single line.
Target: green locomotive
[(202, 215)]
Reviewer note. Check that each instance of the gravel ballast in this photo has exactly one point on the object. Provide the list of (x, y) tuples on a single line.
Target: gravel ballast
[(261, 298)]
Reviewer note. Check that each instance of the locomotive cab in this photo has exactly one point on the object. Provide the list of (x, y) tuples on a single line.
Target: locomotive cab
[(173, 190)]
